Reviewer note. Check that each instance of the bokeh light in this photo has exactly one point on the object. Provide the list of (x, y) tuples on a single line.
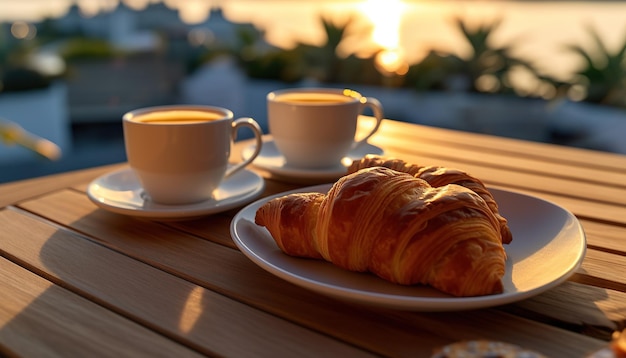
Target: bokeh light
[(22, 30)]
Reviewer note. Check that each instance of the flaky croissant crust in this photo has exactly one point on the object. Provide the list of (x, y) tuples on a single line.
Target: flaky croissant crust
[(438, 176), (396, 226)]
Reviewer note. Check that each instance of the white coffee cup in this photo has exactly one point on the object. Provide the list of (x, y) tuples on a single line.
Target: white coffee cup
[(180, 153), (316, 127)]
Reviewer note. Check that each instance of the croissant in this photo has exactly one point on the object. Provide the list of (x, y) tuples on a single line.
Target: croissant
[(438, 176), (397, 227)]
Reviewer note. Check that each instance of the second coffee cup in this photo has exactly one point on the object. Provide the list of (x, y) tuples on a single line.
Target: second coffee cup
[(316, 127)]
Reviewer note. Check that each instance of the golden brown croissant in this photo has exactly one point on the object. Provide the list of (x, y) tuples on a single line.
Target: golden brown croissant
[(395, 226), (438, 176)]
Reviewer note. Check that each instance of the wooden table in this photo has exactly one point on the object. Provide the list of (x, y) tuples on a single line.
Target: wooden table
[(76, 280)]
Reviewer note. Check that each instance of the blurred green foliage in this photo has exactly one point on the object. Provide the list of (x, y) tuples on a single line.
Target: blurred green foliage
[(20, 79), (602, 73), (487, 69), (304, 61), (85, 48), (15, 74)]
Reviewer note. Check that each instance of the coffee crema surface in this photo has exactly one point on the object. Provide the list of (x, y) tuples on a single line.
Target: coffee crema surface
[(178, 117), (314, 98)]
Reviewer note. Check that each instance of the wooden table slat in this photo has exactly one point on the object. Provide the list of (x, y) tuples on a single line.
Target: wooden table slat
[(31, 188), (38, 318), (393, 131), (433, 152), (594, 266), (601, 236)]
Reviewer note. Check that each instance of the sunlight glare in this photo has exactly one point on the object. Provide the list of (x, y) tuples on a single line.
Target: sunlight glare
[(386, 16), (192, 310)]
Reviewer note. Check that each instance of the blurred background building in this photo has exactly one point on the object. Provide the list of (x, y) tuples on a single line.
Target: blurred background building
[(543, 71)]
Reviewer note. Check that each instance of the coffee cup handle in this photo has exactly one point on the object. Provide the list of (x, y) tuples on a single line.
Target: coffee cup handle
[(252, 124), (377, 109)]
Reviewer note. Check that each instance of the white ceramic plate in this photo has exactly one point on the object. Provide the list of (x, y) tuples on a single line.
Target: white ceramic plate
[(120, 192), (273, 161), (548, 246)]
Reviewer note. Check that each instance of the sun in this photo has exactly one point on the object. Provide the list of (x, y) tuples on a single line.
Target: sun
[(386, 17)]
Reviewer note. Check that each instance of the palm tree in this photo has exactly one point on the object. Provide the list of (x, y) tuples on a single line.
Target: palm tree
[(488, 68), (603, 73), (326, 65), (323, 62), (489, 62)]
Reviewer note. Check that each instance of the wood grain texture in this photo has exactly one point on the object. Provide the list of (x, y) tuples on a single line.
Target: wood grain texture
[(180, 310), (394, 131), (39, 319), (594, 311), (605, 237), (20, 190)]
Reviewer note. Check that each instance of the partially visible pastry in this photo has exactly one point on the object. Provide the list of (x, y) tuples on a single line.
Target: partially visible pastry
[(484, 349), (618, 344), (438, 176), (616, 349)]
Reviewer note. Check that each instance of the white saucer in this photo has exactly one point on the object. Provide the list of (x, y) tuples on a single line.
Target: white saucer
[(273, 161), (120, 192)]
